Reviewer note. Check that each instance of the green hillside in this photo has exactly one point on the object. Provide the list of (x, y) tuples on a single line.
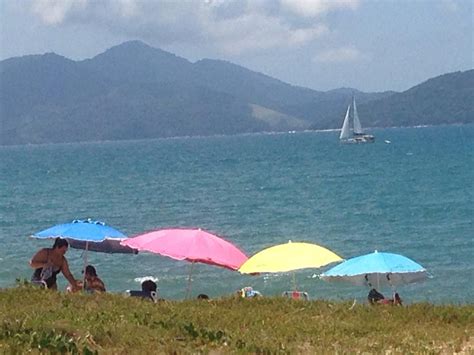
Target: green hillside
[(446, 99), (134, 91)]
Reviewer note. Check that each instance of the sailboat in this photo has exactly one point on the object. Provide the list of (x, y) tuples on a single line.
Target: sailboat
[(356, 134)]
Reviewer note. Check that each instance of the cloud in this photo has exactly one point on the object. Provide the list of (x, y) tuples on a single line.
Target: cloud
[(54, 12), (340, 55), (243, 35), (449, 5), (312, 8), (230, 26)]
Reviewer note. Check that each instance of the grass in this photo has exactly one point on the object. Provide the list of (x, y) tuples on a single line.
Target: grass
[(33, 320)]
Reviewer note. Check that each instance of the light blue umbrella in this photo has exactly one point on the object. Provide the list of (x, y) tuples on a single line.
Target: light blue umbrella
[(83, 230), (377, 268), (88, 234)]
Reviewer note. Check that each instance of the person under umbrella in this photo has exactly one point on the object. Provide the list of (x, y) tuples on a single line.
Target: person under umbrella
[(378, 268), (87, 234), (92, 282), (191, 244), (49, 262)]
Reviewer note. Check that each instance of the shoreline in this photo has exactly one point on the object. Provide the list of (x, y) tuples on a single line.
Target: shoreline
[(227, 135)]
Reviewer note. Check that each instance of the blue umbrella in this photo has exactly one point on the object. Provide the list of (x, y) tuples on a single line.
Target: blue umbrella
[(377, 268), (89, 235), (86, 230)]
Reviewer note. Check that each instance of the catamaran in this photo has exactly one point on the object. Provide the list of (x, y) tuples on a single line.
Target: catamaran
[(356, 134)]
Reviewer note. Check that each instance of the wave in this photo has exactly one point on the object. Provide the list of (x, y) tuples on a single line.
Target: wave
[(146, 278)]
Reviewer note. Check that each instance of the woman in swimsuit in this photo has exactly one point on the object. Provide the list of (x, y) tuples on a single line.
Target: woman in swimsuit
[(48, 262)]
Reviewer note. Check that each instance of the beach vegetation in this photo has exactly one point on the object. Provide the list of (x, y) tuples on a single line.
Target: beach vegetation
[(35, 320)]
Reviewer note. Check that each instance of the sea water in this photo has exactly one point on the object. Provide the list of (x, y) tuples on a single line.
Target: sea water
[(413, 197)]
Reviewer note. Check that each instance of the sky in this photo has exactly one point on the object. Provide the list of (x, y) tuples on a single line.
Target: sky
[(370, 45)]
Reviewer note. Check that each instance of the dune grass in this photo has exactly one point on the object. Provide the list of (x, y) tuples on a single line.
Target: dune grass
[(52, 322)]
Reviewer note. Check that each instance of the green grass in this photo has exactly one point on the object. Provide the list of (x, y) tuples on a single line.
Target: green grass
[(52, 322)]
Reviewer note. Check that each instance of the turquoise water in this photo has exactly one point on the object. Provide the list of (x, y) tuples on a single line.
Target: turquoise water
[(413, 197)]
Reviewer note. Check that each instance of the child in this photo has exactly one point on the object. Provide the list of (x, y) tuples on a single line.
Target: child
[(92, 282)]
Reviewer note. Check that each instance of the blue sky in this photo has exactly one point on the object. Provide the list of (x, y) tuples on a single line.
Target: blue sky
[(321, 44)]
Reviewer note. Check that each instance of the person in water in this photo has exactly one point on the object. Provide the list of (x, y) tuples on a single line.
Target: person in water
[(92, 282), (49, 262)]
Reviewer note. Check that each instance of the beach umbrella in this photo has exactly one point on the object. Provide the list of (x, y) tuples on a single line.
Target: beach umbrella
[(289, 257), (193, 245), (377, 268), (88, 234)]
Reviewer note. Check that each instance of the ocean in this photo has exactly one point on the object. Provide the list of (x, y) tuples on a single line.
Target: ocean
[(413, 197)]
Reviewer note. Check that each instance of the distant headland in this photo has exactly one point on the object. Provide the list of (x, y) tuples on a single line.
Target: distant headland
[(135, 91)]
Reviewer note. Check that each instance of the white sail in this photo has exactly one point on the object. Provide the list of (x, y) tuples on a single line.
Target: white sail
[(345, 130), (357, 125), (351, 132)]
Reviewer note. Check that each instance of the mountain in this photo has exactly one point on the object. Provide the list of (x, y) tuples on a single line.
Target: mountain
[(135, 61), (446, 99), (134, 91)]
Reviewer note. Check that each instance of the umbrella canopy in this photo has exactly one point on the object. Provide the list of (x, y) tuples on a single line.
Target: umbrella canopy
[(85, 230), (377, 268), (87, 234), (289, 257), (194, 245)]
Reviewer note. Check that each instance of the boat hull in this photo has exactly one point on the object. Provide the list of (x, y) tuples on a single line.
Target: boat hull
[(366, 138)]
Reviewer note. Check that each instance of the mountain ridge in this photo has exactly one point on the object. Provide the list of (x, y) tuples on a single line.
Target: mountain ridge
[(133, 91)]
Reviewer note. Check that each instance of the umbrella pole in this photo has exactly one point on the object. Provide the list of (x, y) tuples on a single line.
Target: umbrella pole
[(294, 282), (188, 288), (84, 267)]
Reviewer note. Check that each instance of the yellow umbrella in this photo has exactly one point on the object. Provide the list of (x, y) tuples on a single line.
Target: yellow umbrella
[(289, 257)]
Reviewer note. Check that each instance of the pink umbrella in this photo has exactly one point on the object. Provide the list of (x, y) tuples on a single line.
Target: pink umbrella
[(194, 245)]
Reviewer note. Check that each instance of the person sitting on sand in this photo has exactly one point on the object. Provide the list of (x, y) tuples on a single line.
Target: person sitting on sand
[(202, 296), (248, 292), (396, 300), (149, 286), (375, 296), (92, 282), (49, 262), (149, 290)]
